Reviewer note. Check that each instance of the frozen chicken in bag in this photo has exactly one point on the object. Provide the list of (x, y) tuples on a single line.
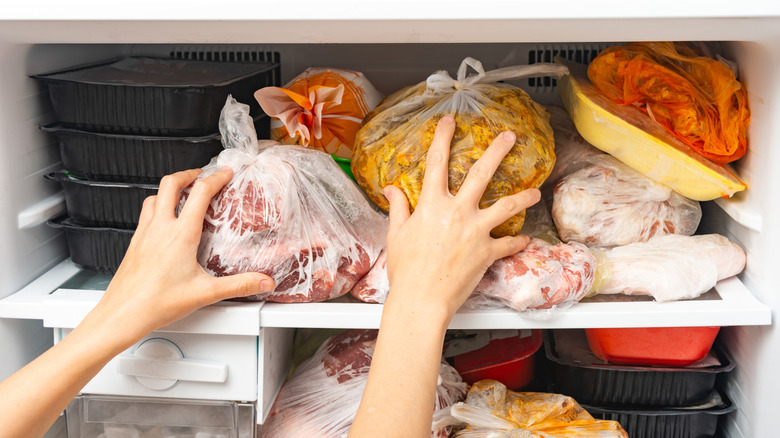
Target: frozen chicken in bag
[(492, 411), (322, 397), (609, 204), (671, 267), (391, 146), (321, 108), (288, 212)]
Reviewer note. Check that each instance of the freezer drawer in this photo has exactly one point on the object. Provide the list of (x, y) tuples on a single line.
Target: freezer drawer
[(130, 417)]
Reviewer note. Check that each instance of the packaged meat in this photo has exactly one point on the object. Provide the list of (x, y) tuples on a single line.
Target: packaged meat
[(288, 212), (671, 267), (540, 277), (695, 98), (571, 150), (392, 144), (610, 204), (492, 411), (630, 135), (321, 108), (323, 396)]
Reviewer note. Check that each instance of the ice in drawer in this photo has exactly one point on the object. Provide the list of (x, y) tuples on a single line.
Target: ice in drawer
[(139, 417)]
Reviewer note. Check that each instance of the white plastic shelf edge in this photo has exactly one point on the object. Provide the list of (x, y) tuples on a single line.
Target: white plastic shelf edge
[(737, 306)]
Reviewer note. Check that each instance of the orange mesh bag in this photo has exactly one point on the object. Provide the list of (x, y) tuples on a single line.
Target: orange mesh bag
[(320, 109), (695, 98)]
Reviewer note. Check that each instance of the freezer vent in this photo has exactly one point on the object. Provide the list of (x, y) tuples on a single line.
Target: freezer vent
[(575, 52), (229, 54)]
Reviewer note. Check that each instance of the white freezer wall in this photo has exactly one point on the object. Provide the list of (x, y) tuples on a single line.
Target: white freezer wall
[(26, 48)]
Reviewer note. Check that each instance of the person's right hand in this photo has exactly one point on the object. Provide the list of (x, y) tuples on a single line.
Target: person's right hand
[(439, 253)]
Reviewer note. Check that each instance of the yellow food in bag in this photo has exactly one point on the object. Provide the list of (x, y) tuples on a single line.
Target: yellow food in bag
[(628, 134)]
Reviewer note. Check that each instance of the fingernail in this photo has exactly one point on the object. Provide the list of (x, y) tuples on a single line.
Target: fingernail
[(266, 286), (388, 193), (226, 169), (447, 119), (509, 136)]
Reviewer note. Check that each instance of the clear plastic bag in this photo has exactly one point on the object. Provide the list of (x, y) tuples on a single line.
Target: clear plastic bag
[(321, 108), (671, 267), (609, 204), (491, 411), (322, 398), (391, 146), (288, 212)]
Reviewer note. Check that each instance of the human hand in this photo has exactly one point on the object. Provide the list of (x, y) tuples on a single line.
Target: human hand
[(159, 280), (438, 254)]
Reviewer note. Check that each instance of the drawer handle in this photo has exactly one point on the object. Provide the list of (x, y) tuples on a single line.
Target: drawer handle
[(159, 363)]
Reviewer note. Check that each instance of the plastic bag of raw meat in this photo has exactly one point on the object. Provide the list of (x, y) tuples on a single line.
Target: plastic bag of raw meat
[(288, 212), (610, 204), (322, 398), (671, 267), (492, 411)]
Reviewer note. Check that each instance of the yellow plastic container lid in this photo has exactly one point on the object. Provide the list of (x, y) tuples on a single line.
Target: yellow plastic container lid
[(630, 135)]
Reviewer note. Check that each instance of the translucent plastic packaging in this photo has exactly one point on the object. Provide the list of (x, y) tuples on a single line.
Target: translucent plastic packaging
[(321, 108), (491, 411), (391, 146), (609, 204), (543, 276), (288, 212), (694, 97), (671, 267), (323, 396)]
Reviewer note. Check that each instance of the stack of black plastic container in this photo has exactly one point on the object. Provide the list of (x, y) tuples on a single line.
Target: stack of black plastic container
[(124, 124), (648, 401)]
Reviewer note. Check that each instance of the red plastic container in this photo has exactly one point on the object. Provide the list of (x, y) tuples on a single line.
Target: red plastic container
[(508, 360), (660, 346)]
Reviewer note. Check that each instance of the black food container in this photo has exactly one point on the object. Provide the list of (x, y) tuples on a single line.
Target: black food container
[(589, 380), (154, 96), (103, 204), (98, 249), (692, 422)]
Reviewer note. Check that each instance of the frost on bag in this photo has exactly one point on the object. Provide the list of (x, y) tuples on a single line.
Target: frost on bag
[(391, 146), (321, 108), (609, 204), (671, 267), (322, 398), (288, 212), (492, 411)]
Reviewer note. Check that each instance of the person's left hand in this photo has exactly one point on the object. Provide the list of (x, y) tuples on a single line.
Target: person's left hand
[(159, 280)]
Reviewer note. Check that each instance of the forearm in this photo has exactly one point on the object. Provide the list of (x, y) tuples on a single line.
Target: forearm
[(400, 393), (34, 396)]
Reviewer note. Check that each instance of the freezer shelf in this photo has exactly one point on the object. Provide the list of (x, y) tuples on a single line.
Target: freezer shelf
[(66, 293)]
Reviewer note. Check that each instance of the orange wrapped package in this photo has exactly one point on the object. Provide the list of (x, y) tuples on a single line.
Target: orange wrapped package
[(695, 98), (491, 411), (320, 109)]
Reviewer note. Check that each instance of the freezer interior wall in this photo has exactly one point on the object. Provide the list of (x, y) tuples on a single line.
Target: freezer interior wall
[(28, 154)]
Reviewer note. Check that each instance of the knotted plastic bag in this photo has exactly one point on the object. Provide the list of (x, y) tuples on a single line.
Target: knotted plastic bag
[(695, 98), (321, 109), (391, 146), (322, 398), (288, 212), (492, 411), (609, 204)]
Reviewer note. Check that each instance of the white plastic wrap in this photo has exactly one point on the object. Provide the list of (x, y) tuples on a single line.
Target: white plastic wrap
[(610, 204), (491, 411), (288, 212), (540, 277), (322, 398), (672, 267)]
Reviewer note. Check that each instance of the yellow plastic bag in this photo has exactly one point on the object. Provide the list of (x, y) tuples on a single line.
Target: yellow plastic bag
[(492, 411), (391, 145)]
